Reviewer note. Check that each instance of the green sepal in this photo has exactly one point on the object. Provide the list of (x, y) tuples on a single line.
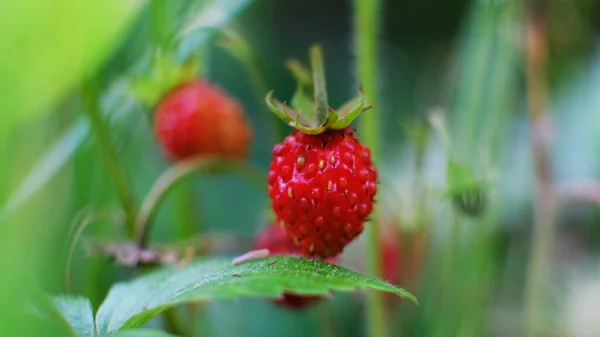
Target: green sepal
[(350, 111), (313, 115), (304, 105), (164, 72), (469, 194), (460, 177), (287, 114)]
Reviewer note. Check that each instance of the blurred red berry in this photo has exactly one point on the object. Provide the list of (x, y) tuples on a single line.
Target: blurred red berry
[(274, 238), (322, 189), (198, 118), (401, 255)]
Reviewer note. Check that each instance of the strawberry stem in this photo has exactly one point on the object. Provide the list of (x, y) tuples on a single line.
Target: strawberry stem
[(321, 105), (113, 163), (544, 217), (176, 174)]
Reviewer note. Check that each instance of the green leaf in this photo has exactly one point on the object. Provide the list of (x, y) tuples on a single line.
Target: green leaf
[(206, 22), (117, 106), (216, 14), (48, 165), (47, 47), (77, 311), (132, 304), (140, 333)]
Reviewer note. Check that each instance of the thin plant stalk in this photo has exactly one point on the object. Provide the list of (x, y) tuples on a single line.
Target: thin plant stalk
[(545, 198), (366, 26), (176, 174), (112, 161), (319, 84)]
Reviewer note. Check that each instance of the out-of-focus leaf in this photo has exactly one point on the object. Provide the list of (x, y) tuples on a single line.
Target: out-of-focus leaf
[(48, 165), (117, 105), (203, 25), (140, 333), (132, 304), (215, 14), (47, 46), (77, 311)]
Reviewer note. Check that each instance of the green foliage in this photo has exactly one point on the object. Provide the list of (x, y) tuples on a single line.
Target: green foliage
[(48, 165), (132, 304), (77, 311), (74, 37), (140, 333), (314, 116), (164, 73)]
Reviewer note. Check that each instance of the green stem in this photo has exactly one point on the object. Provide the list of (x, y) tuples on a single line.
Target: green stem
[(366, 26), (319, 85), (450, 256), (111, 159), (176, 174), (545, 198)]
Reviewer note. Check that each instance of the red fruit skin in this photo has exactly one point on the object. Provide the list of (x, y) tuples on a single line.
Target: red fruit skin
[(198, 118), (274, 238), (322, 189)]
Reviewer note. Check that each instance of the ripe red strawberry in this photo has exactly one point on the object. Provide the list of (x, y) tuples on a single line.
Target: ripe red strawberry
[(275, 239), (322, 187), (198, 118), (322, 182)]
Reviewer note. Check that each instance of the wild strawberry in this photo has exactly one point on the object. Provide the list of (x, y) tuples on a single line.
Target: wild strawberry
[(275, 239), (322, 181), (198, 118), (322, 187)]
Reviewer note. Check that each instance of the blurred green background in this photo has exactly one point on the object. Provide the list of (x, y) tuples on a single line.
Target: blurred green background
[(464, 59)]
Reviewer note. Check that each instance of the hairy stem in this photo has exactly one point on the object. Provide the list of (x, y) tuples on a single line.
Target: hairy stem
[(111, 159), (545, 198), (366, 25), (176, 174), (319, 84)]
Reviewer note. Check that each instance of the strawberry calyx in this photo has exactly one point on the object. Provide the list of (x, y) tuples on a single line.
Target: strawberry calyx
[(314, 115), (163, 73)]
